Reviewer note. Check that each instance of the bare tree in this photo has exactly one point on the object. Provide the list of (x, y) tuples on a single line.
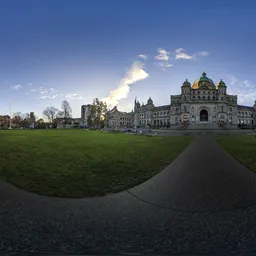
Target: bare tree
[(25, 120), (66, 111), (17, 119), (51, 113)]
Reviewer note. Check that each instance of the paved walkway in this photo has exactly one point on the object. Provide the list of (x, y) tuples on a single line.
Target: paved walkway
[(202, 203)]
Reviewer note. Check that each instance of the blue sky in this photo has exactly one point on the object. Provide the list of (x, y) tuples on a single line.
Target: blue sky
[(79, 50)]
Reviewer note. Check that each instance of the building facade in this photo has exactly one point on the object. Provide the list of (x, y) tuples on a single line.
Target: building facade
[(203, 102), (85, 113), (118, 119)]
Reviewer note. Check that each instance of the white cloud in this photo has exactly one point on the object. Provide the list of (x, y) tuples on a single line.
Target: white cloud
[(48, 97), (135, 74), (162, 54), (202, 54), (164, 65), (181, 54), (142, 56), (74, 96), (17, 87), (51, 93), (244, 89)]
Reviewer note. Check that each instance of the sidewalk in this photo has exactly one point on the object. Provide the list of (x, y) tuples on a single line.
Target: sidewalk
[(202, 203)]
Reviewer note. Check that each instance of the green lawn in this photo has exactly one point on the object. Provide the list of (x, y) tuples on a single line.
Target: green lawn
[(79, 163), (241, 147)]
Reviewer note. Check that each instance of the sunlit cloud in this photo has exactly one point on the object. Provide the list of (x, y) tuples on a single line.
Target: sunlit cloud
[(135, 74)]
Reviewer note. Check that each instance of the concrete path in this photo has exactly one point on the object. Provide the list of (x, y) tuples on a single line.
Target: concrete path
[(204, 202)]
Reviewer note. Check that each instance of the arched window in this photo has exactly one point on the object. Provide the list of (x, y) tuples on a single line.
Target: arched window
[(203, 97), (213, 97), (208, 97), (192, 109)]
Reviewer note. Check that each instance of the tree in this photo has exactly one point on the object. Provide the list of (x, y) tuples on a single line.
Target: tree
[(51, 113), (66, 112), (17, 119), (98, 114), (25, 120)]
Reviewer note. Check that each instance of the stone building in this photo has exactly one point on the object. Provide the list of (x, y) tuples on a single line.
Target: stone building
[(118, 119), (85, 113), (202, 103)]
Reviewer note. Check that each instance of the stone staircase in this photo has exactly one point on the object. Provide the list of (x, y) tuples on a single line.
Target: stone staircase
[(204, 127)]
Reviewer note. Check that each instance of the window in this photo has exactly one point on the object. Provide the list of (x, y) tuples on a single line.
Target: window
[(204, 92), (208, 92), (208, 97), (192, 109), (221, 98), (213, 97), (199, 97), (203, 97), (193, 97), (164, 113)]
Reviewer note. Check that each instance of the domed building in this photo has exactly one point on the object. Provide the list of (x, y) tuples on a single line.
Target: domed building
[(202, 103)]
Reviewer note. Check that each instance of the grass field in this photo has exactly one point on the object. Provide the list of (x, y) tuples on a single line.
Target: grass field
[(241, 147), (78, 163)]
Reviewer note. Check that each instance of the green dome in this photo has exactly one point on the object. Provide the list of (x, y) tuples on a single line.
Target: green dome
[(203, 81), (221, 84), (186, 83), (150, 101)]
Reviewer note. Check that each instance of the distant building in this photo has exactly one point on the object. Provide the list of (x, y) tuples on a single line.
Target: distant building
[(118, 119), (86, 111), (202, 104)]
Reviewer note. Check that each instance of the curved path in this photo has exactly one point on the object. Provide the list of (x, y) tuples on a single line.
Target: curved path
[(204, 202)]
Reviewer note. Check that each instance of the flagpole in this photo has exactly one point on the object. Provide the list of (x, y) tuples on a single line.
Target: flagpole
[(10, 126)]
